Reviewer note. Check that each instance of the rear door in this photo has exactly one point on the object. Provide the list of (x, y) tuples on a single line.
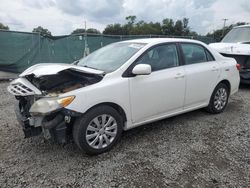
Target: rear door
[(202, 73)]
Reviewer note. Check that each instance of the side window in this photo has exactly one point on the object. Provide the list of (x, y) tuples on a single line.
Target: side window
[(209, 56), (160, 57), (193, 53)]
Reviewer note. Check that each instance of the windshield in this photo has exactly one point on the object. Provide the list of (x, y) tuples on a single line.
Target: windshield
[(240, 34), (111, 57)]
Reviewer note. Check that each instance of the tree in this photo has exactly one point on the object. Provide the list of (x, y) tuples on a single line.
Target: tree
[(115, 29), (131, 20), (4, 27), (90, 30), (78, 31), (143, 28), (167, 26), (128, 27), (186, 28), (42, 31), (178, 28)]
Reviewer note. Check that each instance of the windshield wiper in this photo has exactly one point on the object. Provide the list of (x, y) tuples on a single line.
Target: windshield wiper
[(75, 62), (245, 42), (89, 67)]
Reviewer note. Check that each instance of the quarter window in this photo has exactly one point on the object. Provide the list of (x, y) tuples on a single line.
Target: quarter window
[(194, 54), (209, 56), (160, 57)]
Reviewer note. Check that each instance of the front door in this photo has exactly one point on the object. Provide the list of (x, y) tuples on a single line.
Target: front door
[(161, 92)]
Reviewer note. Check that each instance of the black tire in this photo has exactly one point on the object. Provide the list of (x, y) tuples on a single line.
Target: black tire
[(81, 124), (211, 108)]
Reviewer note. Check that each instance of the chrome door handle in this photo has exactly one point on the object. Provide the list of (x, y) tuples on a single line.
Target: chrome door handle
[(179, 75), (215, 69)]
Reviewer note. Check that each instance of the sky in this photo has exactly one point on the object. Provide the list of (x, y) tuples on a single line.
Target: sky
[(63, 16)]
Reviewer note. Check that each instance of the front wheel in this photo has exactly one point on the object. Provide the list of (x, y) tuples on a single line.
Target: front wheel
[(219, 99), (98, 130)]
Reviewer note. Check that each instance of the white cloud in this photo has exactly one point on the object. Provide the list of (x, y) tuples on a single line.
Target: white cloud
[(63, 16)]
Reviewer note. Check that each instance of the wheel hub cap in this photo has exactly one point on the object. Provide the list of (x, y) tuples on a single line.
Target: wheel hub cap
[(220, 99), (101, 131)]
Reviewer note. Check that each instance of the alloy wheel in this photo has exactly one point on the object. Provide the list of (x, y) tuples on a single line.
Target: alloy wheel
[(220, 98), (101, 131)]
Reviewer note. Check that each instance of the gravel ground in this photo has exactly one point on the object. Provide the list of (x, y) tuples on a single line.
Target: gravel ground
[(191, 150)]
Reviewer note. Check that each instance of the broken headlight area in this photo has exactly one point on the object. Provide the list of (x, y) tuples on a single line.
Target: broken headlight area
[(54, 125), (47, 105)]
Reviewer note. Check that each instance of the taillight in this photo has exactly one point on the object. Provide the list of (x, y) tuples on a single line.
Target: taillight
[(238, 66)]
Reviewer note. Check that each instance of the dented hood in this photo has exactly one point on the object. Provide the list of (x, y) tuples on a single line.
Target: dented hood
[(231, 48), (54, 68)]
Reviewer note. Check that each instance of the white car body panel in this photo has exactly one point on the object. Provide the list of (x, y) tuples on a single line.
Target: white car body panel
[(231, 48), (148, 98), (160, 92), (198, 93)]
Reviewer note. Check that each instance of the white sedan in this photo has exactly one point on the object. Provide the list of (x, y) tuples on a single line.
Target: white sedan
[(121, 86)]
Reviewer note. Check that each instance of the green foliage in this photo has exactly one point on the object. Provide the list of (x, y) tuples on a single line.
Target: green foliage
[(90, 30), (167, 27), (115, 29), (130, 20), (4, 27), (143, 28), (220, 33), (42, 31)]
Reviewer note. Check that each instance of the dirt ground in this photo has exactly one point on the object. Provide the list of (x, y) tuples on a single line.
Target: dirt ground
[(195, 149)]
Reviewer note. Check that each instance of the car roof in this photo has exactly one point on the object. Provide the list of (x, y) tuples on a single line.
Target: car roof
[(161, 40), (248, 25)]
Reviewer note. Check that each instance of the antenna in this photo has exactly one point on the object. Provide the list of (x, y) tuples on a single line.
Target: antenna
[(86, 48), (224, 25)]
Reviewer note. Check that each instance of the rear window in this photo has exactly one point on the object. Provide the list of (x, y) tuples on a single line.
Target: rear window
[(194, 53)]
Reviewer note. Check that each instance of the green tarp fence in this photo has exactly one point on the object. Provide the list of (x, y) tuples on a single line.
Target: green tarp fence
[(20, 50)]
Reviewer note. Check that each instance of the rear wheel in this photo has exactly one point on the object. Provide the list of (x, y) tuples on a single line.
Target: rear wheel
[(219, 99), (98, 130)]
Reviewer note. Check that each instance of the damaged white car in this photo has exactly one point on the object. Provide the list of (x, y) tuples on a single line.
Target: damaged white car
[(236, 44), (121, 86)]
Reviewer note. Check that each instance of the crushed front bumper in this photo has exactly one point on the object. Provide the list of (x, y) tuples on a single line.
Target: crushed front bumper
[(29, 131), (55, 126)]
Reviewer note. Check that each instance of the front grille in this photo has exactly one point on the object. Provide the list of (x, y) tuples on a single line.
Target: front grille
[(20, 89)]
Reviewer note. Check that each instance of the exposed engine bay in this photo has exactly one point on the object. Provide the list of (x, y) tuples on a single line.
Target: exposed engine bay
[(63, 82), (30, 89)]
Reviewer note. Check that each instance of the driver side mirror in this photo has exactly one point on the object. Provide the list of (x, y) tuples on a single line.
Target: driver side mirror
[(142, 69)]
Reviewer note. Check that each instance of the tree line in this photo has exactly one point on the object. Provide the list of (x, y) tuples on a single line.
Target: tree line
[(167, 27)]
